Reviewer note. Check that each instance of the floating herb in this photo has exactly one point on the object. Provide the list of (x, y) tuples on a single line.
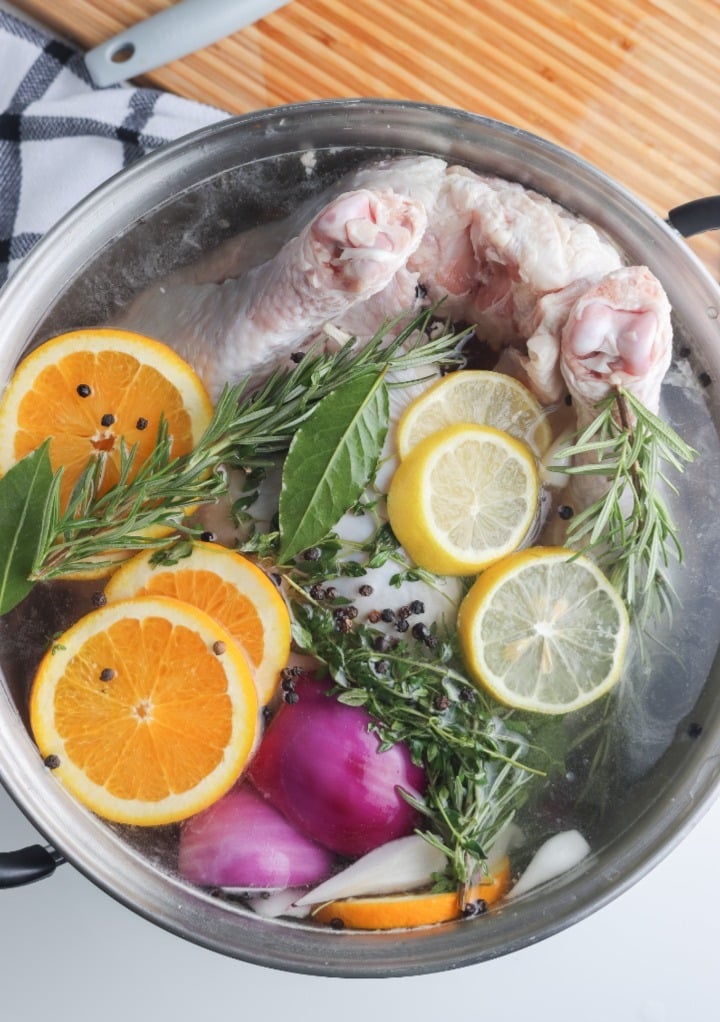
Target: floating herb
[(331, 459), (26, 490), (630, 527)]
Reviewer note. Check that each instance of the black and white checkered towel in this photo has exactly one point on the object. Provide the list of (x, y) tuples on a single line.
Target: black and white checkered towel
[(60, 137)]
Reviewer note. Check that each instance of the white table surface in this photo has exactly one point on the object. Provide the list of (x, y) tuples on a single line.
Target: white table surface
[(70, 953)]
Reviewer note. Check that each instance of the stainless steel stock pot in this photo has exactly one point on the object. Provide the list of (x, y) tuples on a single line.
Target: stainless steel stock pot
[(190, 196)]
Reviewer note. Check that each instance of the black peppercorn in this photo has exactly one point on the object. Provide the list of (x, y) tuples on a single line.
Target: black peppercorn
[(142, 423), (387, 615), (52, 762), (420, 631), (314, 553), (207, 537), (705, 379), (565, 512), (475, 908), (84, 390), (337, 924), (107, 674), (330, 592), (291, 697), (317, 592), (98, 599), (108, 419), (417, 607), (694, 730), (381, 643), (365, 590), (402, 625), (297, 356)]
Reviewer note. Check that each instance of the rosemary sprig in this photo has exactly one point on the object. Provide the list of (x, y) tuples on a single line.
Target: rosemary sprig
[(629, 528), (247, 431), (418, 695)]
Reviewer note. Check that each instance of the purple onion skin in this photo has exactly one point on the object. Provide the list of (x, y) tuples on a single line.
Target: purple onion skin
[(319, 765), (243, 841)]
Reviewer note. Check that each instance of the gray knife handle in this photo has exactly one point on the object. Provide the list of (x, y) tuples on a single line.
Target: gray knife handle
[(181, 29)]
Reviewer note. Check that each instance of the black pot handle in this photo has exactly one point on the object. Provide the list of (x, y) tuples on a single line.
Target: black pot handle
[(27, 865), (697, 216)]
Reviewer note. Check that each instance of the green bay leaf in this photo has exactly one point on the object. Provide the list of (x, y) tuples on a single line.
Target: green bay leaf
[(331, 459), (24, 493)]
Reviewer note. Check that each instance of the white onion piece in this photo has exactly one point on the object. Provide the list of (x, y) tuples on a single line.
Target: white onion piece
[(555, 479), (555, 857), (400, 865), (242, 841), (508, 837), (279, 903)]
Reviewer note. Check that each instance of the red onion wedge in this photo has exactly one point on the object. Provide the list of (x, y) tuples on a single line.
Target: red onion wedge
[(319, 764), (242, 841)]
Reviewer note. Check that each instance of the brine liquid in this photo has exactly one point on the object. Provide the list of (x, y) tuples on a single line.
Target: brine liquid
[(602, 752)]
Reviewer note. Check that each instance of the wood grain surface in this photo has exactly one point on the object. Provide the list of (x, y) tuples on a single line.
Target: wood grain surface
[(630, 85)]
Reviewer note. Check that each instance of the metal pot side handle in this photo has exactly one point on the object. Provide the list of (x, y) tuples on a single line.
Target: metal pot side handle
[(27, 865), (697, 216)]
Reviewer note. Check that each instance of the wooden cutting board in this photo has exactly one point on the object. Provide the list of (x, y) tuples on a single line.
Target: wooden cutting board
[(630, 85)]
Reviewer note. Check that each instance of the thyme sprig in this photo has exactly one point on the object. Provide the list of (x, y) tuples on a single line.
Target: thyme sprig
[(630, 528), (248, 430), (418, 694)]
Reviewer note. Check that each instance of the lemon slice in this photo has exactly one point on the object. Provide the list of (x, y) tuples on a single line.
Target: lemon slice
[(479, 396), (543, 630), (463, 497)]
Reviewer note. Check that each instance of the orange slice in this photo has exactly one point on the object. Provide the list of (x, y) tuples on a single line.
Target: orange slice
[(402, 911), (89, 390), (229, 587), (146, 710)]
